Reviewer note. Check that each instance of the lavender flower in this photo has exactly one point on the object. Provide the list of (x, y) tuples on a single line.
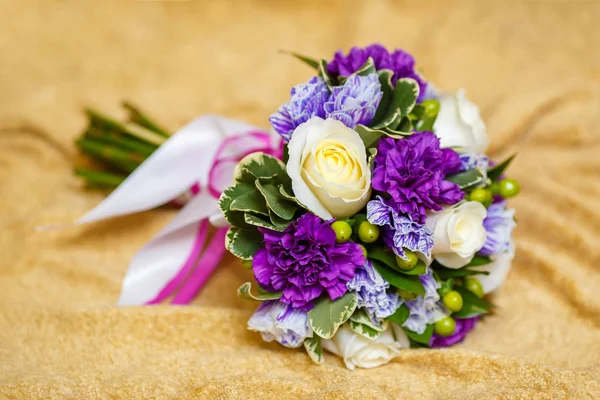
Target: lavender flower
[(401, 63), (280, 322), (426, 309), (463, 326), (307, 101), (498, 224), (356, 101), (304, 261), (412, 172), (399, 231), (372, 295)]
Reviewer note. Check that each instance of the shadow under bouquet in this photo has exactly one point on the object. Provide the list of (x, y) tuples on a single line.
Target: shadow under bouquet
[(383, 226)]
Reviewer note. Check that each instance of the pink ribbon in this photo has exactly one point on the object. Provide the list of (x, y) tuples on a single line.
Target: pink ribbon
[(201, 262)]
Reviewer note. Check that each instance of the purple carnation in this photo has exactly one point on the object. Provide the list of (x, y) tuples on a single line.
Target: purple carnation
[(401, 63), (356, 101), (307, 101), (463, 326), (412, 172), (304, 261), (399, 232)]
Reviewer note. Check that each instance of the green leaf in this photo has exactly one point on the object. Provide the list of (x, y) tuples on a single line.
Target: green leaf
[(327, 316), (387, 120), (389, 258), (467, 179), (387, 106), (235, 218), (255, 220), (251, 201), (479, 260), (324, 74), (245, 292), (369, 136), (495, 172), (314, 349), (311, 62), (446, 287), (410, 283), (405, 95), (400, 316), (258, 165), (364, 330), (276, 202), (367, 68), (472, 305), (422, 338), (417, 113), (447, 273), (361, 317), (279, 223), (244, 243)]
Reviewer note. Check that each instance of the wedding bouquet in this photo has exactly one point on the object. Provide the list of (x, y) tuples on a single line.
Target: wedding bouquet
[(372, 220)]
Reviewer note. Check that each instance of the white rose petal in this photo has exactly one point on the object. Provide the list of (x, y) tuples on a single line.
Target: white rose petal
[(328, 167), (498, 270), (458, 233), (459, 124), (358, 351)]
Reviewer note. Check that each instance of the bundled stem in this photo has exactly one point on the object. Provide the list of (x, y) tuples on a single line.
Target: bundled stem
[(119, 147)]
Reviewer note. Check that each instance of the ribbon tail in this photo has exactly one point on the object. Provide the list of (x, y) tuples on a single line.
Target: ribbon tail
[(167, 258)]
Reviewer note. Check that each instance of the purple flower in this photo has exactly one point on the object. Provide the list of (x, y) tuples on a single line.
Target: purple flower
[(498, 224), (463, 326), (401, 63), (356, 101), (412, 172), (304, 261), (474, 161), (399, 231), (372, 295), (281, 322), (307, 101), (426, 309)]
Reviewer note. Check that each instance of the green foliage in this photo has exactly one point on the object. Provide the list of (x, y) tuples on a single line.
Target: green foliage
[(472, 305), (388, 258), (467, 179), (410, 283), (400, 316), (361, 317), (495, 172), (311, 62), (327, 316), (245, 292), (314, 349), (364, 330), (447, 273), (421, 338)]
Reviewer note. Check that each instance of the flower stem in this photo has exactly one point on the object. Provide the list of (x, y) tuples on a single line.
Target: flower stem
[(120, 159), (99, 178), (138, 117)]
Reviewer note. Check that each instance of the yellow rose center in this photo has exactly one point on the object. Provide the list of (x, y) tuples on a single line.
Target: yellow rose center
[(336, 163)]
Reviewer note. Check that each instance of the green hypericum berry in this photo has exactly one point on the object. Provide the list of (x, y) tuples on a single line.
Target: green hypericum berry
[(406, 295), (509, 188), (453, 301), (432, 107), (495, 187), (247, 264), (445, 327), (480, 195), (367, 232), (474, 286), (409, 263), (364, 250), (342, 230)]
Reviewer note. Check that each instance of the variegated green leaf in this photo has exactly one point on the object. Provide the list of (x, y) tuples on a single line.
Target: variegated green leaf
[(281, 206), (367, 68), (364, 330), (235, 218), (387, 105), (255, 220), (314, 349), (244, 243), (361, 317), (369, 136), (467, 179), (251, 201), (258, 165), (245, 292), (405, 95), (324, 74), (327, 315)]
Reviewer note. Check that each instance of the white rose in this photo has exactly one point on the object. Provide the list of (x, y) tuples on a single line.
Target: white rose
[(458, 233), (498, 270), (358, 351), (328, 166), (459, 124)]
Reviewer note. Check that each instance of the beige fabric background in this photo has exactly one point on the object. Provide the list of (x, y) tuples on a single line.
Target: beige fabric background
[(534, 68)]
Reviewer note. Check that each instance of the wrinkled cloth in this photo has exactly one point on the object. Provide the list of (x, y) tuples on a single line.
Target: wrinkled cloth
[(528, 65)]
